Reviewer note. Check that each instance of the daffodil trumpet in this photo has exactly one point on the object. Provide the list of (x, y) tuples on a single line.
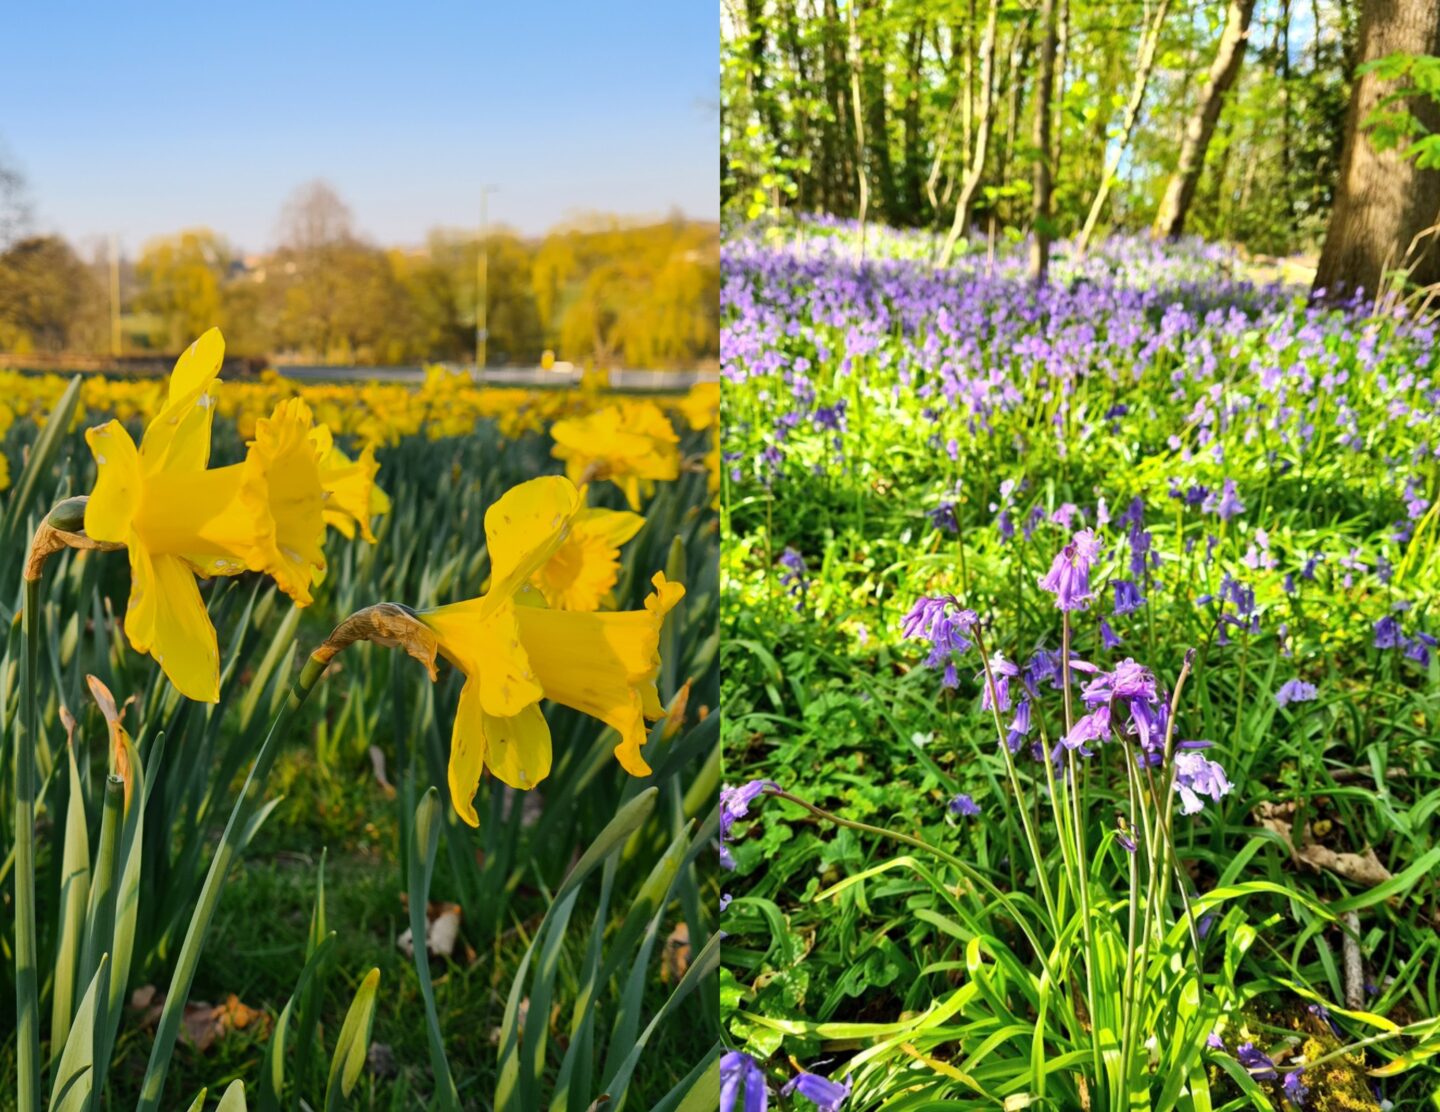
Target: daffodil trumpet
[(515, 652)]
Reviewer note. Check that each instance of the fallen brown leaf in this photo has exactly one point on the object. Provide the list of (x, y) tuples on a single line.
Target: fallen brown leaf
[(677, 955)]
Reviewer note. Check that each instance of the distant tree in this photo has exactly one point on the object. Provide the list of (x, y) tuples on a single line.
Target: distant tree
[(1384, 200), (49, 299), (14, 203), (315, 217), (180, 279)]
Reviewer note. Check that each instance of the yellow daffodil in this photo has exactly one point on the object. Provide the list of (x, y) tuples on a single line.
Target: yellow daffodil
[(701, 406), (513, 656), (351, 496), (177, 518), (587, 563), (631, 447)]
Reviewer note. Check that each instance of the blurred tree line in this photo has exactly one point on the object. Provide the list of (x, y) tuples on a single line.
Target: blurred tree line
[(1240, 120), (597, 290)]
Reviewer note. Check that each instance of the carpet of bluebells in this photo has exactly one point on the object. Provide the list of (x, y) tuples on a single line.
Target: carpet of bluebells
[(930, 480)]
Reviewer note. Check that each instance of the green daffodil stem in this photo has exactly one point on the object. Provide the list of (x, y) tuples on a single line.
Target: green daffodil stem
[(232, 843), (27, 986)]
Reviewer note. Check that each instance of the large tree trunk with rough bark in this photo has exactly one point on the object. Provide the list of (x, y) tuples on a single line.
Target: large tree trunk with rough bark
[(1382, 202), (1229, 54)]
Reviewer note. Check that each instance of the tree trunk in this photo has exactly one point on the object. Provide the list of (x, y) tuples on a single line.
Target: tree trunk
[(855, 103), (1044, 88), (874, 46), (1229, 54), (984, 118), (1149, 45), (915, 53), (1382, 202), (837, 168)]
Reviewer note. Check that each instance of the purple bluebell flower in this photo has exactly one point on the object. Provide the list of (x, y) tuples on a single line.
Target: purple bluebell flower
[(1214, 1041), (1019, 725), (1388, 634), (1295, 691), (1069, 576), (826, 1095), (1128, 680), (943, 518), (1418, 648), (1195, 775), (1094, 726), (1148, 722), (943, 623), (963, 805), (1109, 639), (1294, 1087), (1002, 670), (1228, 504), (735, 805), (742, 1084), (793, 577), (1256, 1061), (1127, 597)]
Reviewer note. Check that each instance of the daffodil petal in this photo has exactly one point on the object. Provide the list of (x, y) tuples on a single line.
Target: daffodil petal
[(467, 753), (603, 665), (197, 365), (178, 439), (517, 748), (116, 495), (485, 645), (168, 620), (524, 528), (615, 527)]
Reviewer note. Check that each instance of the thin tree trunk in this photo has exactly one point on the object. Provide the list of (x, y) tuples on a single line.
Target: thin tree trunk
[(855, 103), (983, 122), (1229, 54), (837, 172), (915, 52), (1145, 63), (1382, 201), (871, 61), (1044, 87), (1018, 67)]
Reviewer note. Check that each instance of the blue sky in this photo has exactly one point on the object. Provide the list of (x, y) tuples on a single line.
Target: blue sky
[(138, 120)]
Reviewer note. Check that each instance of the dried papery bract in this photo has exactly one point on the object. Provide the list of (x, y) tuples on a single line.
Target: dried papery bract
[(388, 624), (63, 527), (119, 739)]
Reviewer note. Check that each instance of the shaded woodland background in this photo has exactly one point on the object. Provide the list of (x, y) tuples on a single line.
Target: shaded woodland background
[(1282, 126)]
